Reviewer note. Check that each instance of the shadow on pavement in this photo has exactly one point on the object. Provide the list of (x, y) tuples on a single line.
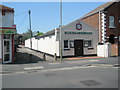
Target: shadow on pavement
[(25, 58)]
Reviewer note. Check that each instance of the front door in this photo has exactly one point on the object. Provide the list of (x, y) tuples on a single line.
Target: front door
[(7, 49), (78, 46)]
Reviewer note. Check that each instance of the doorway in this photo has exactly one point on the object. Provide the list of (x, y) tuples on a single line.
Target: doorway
[(78, 47), (7, 49), (112, 39)]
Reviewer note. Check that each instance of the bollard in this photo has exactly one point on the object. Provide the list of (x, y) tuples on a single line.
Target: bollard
[(44, 59), (55, 57)]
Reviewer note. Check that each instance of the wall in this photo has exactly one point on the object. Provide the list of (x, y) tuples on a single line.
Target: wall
[(7, 20), (102, 50), (85, 28), (114, 11), (107, 50), (92, 20), (47, 44)]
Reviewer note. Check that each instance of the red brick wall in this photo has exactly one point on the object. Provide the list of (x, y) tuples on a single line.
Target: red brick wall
[(92, 20), (113, 10)]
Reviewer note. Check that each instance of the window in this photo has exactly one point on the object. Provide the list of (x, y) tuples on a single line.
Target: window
[(3, 13), (71, 44), (111, 22), (88, 43), (65, 43)]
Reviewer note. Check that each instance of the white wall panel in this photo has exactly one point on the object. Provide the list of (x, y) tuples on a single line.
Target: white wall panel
[(7, 20)]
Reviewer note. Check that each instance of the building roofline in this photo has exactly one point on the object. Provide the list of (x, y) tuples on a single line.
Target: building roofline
[(99, 8), (3, 7)]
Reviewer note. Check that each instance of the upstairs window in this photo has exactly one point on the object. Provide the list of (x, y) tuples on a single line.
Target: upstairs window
[(3, 12), (111, 22)]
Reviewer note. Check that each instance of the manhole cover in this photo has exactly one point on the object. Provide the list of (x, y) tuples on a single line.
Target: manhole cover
[(90, 82)]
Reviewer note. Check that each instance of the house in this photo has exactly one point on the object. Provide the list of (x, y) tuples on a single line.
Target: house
[(7, 31), (106, 19), (78, 39)]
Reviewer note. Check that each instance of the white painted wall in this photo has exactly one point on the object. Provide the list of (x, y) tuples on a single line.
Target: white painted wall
[(27, 43), (47, 44), (50, 45), (85, 28), (0, 46), (7, 20), (103, 50)]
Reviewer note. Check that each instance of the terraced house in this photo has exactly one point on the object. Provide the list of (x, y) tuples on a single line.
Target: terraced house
[(7, 31), (106, 19)]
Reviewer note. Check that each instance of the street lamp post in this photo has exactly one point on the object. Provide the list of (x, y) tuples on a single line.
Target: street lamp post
[(60, 30)]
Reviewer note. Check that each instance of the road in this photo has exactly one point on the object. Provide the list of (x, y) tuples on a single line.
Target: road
[(76, 74)]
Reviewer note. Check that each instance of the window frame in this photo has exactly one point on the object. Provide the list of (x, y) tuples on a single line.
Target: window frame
[(71, 41), (88, 44), (111, 21), (67, 44)]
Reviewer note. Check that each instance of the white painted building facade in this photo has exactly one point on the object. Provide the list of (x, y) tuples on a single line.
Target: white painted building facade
[(74, 42)]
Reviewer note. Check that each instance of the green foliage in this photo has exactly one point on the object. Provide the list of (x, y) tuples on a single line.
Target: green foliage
[(40, 33)]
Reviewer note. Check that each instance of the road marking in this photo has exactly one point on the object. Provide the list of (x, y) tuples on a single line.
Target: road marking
[(65, 68), (54, 63), (32, 68), (94, 60)]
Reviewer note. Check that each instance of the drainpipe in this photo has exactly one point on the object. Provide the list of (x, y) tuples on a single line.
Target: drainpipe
[(99, 28)]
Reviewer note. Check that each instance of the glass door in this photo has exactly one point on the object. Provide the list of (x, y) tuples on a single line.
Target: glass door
[(7, 55)]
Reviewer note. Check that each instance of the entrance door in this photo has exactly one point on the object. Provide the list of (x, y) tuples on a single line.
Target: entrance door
[(7, 50), (78, 46)]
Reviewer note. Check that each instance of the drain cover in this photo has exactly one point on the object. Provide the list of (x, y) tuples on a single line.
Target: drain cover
[(90, 82)]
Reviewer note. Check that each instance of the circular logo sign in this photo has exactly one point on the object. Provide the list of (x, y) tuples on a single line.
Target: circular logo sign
[(78, 26)]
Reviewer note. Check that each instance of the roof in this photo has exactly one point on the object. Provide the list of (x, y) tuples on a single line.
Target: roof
[(52, 32), (2, 7), (96, 10)]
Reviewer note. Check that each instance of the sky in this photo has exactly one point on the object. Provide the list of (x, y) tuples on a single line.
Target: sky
[(45, 16)]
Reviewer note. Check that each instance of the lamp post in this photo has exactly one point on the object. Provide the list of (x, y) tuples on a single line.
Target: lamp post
[(60, 30), (29, 12)]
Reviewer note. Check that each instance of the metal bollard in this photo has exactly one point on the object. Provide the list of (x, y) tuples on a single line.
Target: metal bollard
[(44, 59), (55, 57)]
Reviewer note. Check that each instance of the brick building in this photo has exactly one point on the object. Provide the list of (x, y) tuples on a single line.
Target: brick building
[(106, 19)]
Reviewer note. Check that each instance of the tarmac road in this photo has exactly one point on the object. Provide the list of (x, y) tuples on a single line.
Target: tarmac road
[(69, 77)]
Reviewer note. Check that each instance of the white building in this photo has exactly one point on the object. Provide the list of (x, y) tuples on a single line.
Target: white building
[(78, 39), (7, 31)]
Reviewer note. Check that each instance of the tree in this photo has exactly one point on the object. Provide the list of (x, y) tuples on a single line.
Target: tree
[(40, 33)]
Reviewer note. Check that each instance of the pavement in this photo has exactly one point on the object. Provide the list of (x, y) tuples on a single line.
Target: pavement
[(45, 65), (75, 72), (25, 62)]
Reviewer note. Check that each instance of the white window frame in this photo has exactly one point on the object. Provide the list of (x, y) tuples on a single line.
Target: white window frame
[(111, 22), (88, 46), (10, 51), (68, 44)]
